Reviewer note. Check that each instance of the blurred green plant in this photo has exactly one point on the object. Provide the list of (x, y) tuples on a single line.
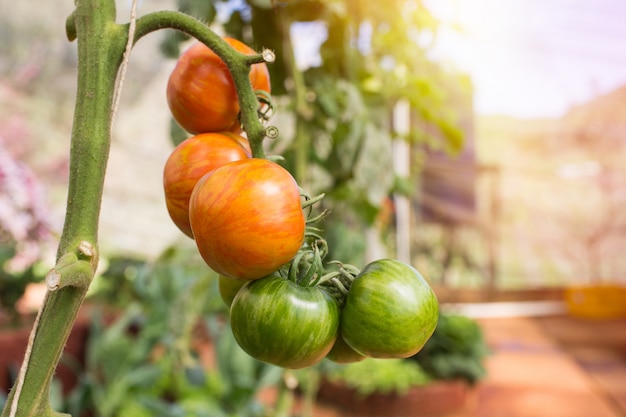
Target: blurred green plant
[(456, 350), (159, 282), (147, 361), (387, 376)]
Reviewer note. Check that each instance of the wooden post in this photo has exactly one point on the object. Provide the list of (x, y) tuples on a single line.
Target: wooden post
[(402, 165)]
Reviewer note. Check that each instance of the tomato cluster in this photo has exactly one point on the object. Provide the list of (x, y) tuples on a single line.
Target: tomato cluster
[(244, 213), (387, 311), (247, 218)]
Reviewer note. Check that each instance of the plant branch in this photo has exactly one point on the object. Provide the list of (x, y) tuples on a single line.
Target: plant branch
[(237, 63)]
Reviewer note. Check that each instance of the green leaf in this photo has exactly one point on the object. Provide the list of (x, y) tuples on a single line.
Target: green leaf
[(177, 133), (133, 408), (455, 350)]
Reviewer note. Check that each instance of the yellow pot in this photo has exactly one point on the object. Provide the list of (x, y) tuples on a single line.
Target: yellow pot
[(602, 301)]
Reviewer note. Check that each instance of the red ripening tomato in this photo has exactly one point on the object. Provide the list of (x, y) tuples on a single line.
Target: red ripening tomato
[(201, 92), (247, 218), (190, 161)]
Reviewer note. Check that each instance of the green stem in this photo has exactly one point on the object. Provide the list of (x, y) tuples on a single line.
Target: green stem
[(100, 48), (238, 64), (309, 390), (285, 401)]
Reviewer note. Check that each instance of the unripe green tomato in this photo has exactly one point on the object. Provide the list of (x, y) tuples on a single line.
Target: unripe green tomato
[(229, 287), (280, 322), (342, 353), (390, 311)]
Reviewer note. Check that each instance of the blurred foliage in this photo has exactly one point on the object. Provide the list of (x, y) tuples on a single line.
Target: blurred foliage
[(386, 376), (148, 360), (373, 56), (157, 283), (451, 256), (456, 350)]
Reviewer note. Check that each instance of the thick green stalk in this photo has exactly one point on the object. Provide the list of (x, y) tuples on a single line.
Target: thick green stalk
[(100, 48)]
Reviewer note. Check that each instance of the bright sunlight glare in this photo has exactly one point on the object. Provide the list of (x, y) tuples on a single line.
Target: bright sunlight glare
[(533, 58)]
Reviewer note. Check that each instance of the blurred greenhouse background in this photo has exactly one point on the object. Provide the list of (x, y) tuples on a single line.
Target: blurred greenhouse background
[(561, 174), (506, 135)]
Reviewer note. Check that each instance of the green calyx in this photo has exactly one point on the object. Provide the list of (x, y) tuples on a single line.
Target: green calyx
[(309, 268)]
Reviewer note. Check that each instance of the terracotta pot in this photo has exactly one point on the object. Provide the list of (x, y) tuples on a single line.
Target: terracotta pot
[(434, 399)]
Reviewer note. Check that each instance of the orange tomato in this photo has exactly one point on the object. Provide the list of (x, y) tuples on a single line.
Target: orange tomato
[(247, 218), (201, 92), (189, 162)]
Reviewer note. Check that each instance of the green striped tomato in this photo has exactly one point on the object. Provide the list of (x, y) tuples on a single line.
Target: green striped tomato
[(390, 311), (229, 287), (280, 322), (342, 353)]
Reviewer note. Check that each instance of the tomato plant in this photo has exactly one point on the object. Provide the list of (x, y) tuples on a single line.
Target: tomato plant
[(201, 93), (247, 218), (280, 322), (390, 311), (190, 161)]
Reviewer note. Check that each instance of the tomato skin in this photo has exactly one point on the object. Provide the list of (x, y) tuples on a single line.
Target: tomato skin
[(390, 311), (228, 288), (247, 218), (201, 92), (240, 140), (190, 161), (277, 321), (343, 353)]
